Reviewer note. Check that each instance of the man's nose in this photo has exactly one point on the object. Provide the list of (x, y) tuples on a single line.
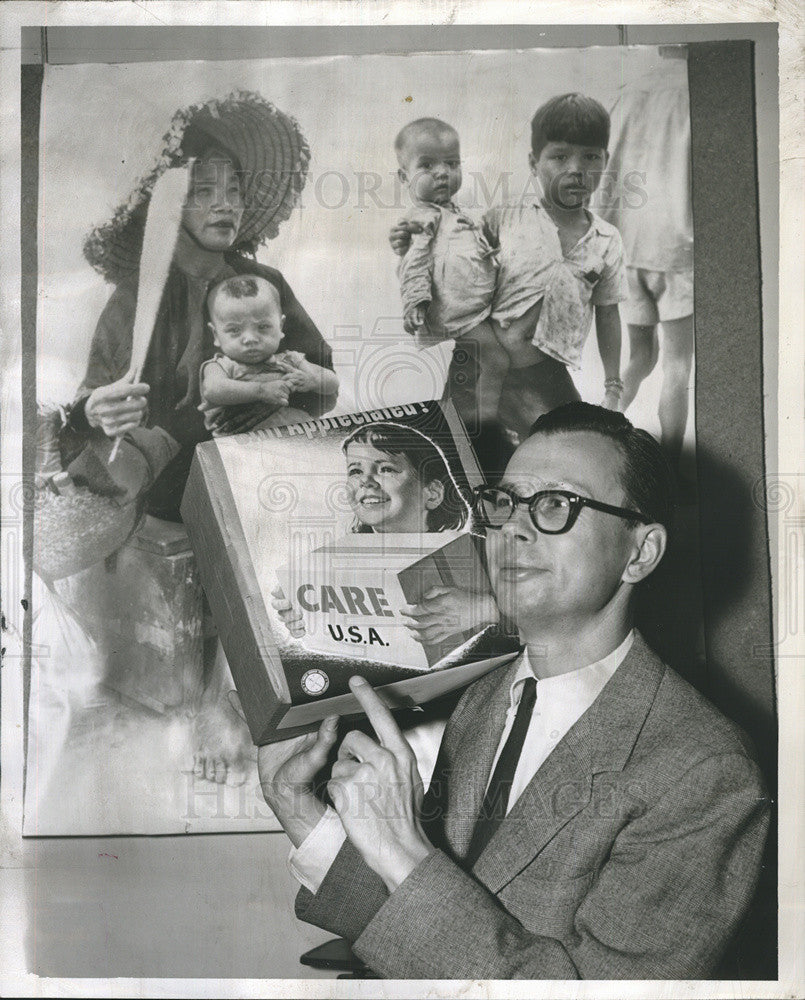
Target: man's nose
[(575, 166), (519, 527), (440, 170), (249, 335)]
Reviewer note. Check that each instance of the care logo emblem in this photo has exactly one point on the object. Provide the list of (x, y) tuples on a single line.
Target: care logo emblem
[(315, 682)]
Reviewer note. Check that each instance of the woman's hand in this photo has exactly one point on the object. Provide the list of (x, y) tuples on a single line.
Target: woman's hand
[(400, 236), (446, 611), (291, 617), (117, 408)]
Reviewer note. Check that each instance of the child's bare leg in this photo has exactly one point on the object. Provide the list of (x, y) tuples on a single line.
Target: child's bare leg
[(493, 362), (676, 367), (644, 349), (532, 390)]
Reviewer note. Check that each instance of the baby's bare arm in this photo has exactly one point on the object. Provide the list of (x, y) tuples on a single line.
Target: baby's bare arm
[(220, 390)]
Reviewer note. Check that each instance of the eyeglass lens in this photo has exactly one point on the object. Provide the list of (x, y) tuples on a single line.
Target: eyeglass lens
[(550, 511)]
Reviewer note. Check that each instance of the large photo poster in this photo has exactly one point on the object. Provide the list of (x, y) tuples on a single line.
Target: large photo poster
[(324, 187)]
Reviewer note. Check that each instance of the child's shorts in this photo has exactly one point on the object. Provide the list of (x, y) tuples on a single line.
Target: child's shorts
[(657, 296)]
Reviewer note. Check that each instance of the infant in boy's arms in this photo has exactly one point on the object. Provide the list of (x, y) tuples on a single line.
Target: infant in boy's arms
[(448, 274), (249, 383)]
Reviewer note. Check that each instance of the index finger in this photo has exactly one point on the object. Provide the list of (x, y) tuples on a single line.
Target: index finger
[(388, 732)]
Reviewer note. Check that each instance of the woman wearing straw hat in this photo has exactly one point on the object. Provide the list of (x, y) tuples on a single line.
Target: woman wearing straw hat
[(250, 164)]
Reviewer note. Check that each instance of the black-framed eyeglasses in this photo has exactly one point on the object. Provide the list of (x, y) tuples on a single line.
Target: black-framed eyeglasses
[(552, 511)]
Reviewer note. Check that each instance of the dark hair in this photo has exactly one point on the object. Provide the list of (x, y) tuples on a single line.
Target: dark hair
[(429, 463), (200, 144), (570, 118), (645, 474), (242, 286)]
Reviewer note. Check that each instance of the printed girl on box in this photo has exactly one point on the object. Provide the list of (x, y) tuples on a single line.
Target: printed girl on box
[(398, 480), (250, 166)]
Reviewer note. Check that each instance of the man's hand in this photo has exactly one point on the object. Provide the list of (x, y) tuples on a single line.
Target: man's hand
[(414, 319), (117, 408), (274, 393), (446, 611), (377, 792), (287, 771), (400, 236)]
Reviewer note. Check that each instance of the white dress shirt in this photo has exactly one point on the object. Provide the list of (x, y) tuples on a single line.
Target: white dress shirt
[(561, 701)]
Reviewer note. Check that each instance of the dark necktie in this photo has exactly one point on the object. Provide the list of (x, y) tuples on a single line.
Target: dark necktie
[(496, 801)]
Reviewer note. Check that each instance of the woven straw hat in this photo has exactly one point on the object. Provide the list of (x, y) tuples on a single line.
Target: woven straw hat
[(272, 160)]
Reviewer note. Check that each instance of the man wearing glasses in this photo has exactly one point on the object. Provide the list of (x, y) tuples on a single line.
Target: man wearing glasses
[(590, 815)]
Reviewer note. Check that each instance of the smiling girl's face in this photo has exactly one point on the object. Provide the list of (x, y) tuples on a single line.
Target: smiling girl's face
[(385, 492)]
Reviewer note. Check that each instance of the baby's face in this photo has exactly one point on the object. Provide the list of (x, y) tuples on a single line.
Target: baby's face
[(247, 329), (432, 167)]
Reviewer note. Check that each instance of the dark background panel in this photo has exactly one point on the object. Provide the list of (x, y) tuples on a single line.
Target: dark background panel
[(736, 580)]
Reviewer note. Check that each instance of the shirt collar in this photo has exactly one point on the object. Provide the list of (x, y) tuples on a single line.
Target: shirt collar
[(581, 686), (595, 221)]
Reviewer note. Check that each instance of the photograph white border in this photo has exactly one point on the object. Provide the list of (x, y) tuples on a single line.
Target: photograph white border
[(787, 575)]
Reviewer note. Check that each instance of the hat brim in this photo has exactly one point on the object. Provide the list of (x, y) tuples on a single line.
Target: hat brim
[(272, 156)]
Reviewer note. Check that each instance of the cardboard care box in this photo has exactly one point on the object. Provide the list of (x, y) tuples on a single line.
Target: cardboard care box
[(314, 543)]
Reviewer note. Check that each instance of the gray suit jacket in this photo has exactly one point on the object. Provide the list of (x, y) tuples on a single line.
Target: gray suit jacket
[(632, 853)]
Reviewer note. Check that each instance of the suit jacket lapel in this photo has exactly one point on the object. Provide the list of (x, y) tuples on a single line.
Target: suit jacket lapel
[(601, 740)]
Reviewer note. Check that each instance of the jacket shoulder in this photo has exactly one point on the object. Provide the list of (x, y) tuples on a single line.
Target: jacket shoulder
[(688, 728)]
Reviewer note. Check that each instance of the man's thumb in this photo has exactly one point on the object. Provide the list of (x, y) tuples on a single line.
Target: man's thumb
[(325, 738)]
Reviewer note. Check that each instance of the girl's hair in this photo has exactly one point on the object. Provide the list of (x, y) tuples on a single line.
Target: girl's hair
[(429, 463)]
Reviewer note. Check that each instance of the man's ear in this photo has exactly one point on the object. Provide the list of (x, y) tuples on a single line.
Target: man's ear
[(282, 323), (650, 543), (402, 175), (434, 494), (214, 334), (532, 161)]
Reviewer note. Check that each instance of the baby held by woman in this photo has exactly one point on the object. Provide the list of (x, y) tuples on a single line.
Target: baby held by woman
[(250, 383)]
